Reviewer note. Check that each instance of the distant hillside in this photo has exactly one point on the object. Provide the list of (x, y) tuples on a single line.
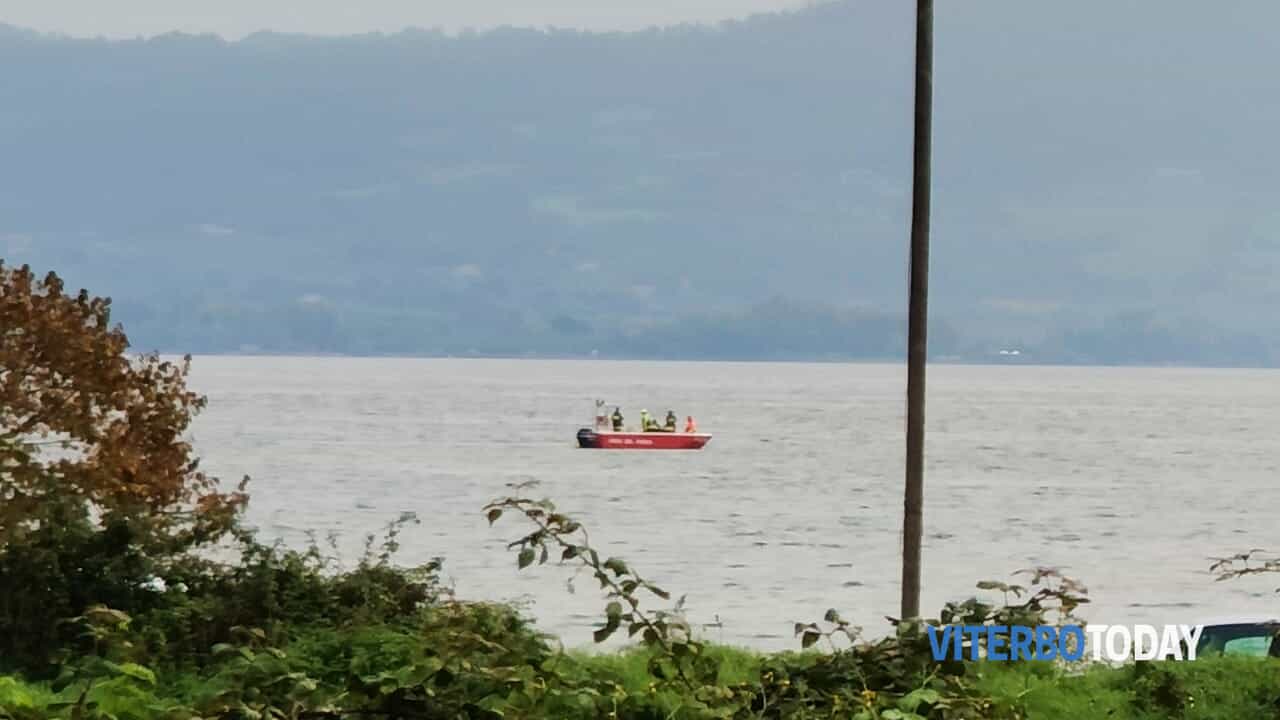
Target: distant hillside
[(1105, 189)]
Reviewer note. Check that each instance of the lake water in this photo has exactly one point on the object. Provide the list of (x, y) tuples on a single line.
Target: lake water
[(1130, 479)]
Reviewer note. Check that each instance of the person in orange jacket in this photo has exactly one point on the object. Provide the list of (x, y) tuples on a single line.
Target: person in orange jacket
[(689, 425)]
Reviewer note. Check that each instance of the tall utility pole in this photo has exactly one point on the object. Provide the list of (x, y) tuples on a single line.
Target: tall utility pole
[(918, 314)]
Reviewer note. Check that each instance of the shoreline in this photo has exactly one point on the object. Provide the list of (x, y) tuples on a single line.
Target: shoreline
[(935, 362)]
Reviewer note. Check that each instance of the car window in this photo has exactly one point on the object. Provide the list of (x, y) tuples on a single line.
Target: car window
[(1252, 646), (1252, 639)]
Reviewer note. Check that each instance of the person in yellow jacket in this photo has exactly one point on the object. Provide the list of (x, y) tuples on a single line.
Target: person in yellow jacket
[(645, 421)]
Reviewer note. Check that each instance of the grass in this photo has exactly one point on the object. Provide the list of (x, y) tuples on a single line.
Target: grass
[(15, 695), (1049, 692), (1222, 688), (629, 667)]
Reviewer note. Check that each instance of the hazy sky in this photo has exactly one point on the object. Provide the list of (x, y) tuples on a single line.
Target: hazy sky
[(236, 18)]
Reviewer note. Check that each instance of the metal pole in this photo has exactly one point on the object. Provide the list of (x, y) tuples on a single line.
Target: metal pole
[(918, 314)]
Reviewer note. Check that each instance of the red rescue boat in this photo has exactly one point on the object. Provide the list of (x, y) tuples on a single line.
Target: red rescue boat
[(610, 440), (604, 437)]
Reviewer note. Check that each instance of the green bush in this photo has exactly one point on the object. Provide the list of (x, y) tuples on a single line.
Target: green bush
[(1219, 688), (69, 564), (59, 569), (284, 633), (282, 591)]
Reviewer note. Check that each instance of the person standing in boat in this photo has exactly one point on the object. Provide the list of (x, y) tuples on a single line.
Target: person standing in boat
[(670, 425), (617, 419)]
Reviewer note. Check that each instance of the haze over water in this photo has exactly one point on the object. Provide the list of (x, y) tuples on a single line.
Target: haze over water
[(1128, 478)]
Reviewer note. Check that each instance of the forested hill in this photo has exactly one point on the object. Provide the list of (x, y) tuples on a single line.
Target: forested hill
[(1105, 185)]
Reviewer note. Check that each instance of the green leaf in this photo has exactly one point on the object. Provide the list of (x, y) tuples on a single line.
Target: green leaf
[(613, 609), (832, 616), (569, 553), (659, 591), (419, 672), (222, 649), (495, 704), (542, 559), (64, 680), (618, 567), (103, 615), (658, 669), (494, 514), (526, 558), (912, 700), (801, 627), (137, 672), (610, 626), (809, 638)]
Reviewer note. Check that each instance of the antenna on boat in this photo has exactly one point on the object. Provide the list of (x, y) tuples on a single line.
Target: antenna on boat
[(602, 419)]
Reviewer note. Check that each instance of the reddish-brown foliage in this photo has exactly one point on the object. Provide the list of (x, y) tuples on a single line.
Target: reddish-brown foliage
[(82, 419)]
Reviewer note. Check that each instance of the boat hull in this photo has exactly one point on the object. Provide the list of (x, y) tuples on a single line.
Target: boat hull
[(588, 438)]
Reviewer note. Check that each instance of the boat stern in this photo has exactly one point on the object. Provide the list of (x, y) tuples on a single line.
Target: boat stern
[(587, 438)]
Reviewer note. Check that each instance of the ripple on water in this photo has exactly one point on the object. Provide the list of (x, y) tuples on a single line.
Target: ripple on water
[(447, 434)]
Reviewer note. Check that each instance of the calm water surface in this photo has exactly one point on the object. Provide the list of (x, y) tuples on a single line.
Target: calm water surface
[(1128, 478)]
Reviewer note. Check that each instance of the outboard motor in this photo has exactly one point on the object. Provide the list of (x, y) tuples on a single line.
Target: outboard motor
[(587, 438)]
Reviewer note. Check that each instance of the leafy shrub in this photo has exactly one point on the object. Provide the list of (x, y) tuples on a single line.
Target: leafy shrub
[(284, 592), (59, 569)]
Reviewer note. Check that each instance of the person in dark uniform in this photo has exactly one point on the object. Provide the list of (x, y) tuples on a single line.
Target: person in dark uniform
[(670, 425), (617, 419)]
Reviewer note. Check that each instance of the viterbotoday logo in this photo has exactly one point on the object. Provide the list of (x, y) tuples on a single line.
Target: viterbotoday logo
[(1112, 643)]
